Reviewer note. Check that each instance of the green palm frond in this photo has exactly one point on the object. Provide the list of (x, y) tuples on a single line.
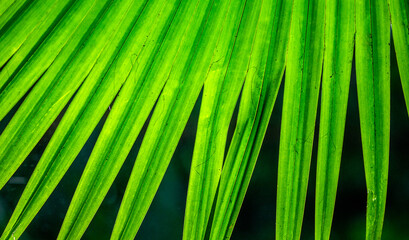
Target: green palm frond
[(399, 10), (373, 83), (146, 63), (339, 49), (258, 97), (302, 85)]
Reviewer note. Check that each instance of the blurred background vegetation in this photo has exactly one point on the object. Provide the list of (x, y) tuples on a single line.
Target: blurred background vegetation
[(257, 217)]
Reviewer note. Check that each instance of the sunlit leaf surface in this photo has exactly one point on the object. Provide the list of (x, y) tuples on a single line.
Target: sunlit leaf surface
[(65, 64), (373, 83)]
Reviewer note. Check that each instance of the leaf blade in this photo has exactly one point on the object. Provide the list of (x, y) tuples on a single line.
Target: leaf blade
[(301, 88), (124, 123), (399, 10), (45, 101), (169, 119), (220, 94), (338, 54), (33, 60), (260, 90), (373, 83), (79, 121)]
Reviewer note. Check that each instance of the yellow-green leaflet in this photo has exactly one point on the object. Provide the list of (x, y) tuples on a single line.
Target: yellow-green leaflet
[(120, 131), (220, 94), (263, 80), (399, 10), (53, 44), (111, 85), (54, 88), (35, 22), (171, 114), (127, 115), (373, 83), (9, 9), (338, 53), (301, 90), (85, 111)]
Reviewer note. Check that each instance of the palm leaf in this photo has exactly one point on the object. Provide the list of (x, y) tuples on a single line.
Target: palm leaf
[(125, 121), (302, 83), (339, 49), (399, 10), (171, 115), (81, 118), (53, 91), (25, 30), (373, 83), (220, 95), (260, 90), (57, 46), (11, 9), (146, 63)]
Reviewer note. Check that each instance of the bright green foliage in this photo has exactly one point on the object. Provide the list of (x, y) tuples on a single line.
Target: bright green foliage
[(302, 84), (11, 8), (74, 58), (52, 92), (373, 83), (259, 93), (399, 10), (172, 112), (220, 94), (82, 116), (53, 55), (24, 27), (126, 119), (339, 50)]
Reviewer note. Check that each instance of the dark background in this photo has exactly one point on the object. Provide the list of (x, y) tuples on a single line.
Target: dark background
[(257, 217)]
